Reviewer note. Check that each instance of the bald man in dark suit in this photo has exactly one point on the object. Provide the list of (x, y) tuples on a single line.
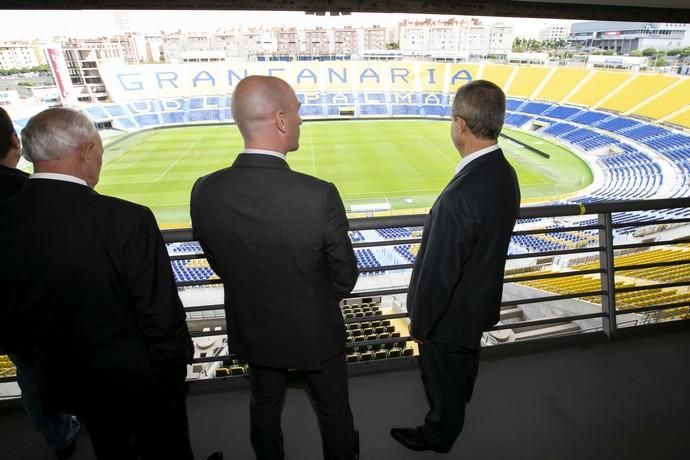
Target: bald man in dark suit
[(278, 240)]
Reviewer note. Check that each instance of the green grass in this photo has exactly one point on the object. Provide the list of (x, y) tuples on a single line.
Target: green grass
[(404, 162)]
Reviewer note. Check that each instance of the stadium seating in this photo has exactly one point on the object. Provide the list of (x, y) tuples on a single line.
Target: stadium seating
[(666, 103), (590, 110), (535, 108), (497, 73), (192, 270), (562, 82), (372, 328), (562, 112), (394, 233), (7, 368), (598, 86), (660, 274), (641, 88), (527, 80)]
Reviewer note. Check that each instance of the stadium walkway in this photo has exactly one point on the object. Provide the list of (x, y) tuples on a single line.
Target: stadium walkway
[(582, 398)]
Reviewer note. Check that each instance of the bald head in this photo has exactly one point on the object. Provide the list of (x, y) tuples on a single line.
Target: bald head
[(266, 111)]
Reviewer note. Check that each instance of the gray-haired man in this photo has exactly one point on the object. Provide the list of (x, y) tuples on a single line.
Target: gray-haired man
[(457, 281), (87, 285)]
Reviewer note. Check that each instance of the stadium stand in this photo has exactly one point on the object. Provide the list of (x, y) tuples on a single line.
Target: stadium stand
[(7, 368), (527, 81), (498, 74), (394, 233), (561, 83), (557, 103), (598, 86), (641, 88), (667, 102)]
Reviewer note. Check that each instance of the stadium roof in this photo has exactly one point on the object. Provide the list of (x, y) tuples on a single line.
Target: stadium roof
[(628, 10)]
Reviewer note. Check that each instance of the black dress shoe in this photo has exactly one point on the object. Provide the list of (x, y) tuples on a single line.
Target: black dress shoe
[(414, 439), (66, 452), (215, 455)]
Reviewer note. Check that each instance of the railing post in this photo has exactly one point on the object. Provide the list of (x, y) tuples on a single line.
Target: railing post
[(608, 277)]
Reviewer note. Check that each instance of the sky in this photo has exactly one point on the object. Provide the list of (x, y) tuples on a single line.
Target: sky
[(24, 25)]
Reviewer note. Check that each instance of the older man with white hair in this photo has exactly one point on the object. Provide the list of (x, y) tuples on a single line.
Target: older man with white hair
[(87, 285)]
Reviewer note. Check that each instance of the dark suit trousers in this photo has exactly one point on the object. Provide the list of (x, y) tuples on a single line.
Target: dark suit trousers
[(448, 378), (153, 428), (329, 394)]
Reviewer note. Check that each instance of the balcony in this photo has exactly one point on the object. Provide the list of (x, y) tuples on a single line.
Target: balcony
[(589, 359), (564, 399)]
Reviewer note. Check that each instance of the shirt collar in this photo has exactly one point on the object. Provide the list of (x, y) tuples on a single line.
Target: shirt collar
[(56, 176), (265, 152), (473, 156)]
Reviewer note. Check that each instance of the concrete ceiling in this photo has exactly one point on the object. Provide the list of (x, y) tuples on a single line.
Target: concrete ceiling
[(621, 10)]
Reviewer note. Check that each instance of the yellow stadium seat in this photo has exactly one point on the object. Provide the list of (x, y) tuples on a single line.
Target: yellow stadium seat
[(527, 80), (639, 89), (675, 99), (682, 118), (562, 82), (498, 74), (601, 84)]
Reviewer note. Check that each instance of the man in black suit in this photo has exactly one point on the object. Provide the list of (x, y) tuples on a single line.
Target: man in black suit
[(457, 281), (88, 288), (278, 240), (11, 178), (58, 429)]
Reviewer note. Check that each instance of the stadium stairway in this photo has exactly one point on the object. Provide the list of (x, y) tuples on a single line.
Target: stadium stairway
[(559, 399)]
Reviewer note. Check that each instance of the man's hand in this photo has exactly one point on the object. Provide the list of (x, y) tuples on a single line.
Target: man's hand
[(409, 332)]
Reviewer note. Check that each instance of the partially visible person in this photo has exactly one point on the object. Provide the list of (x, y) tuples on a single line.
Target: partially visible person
[(87, 286), (278, 240), (59, 430), (11, 178), (457, 281)]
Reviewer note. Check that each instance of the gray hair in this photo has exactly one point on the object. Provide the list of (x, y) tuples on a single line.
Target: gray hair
[(54, 133), (482, 105)]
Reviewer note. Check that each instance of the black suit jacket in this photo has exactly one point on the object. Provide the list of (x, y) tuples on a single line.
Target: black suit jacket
[(86, 282), (278, 240), (457, 281), (11, 181)]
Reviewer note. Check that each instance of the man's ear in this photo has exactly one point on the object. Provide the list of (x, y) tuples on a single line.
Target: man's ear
[(281, 122), (86, 151)]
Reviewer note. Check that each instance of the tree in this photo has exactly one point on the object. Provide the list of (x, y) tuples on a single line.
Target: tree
[(649, 52), (636, 53), (392, 46), (660, 62)]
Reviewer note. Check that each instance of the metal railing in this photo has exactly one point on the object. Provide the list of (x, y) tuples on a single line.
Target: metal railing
[(604, 248)]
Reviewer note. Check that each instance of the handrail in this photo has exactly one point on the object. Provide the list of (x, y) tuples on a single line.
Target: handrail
[(530, 212), (604, 247)]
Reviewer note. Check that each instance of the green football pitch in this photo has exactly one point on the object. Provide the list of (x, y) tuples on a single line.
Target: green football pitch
[(403, 164)]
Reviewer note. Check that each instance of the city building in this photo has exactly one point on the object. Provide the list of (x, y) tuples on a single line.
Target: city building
[(344, 41), (624, 37), (454, 39), (83, 56), (560, 31), (20, 55), (317, 42), (371, 38)]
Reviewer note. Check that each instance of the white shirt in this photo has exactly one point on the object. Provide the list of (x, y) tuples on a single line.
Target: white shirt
[(265, 152), (473, 156), (56, 176)]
